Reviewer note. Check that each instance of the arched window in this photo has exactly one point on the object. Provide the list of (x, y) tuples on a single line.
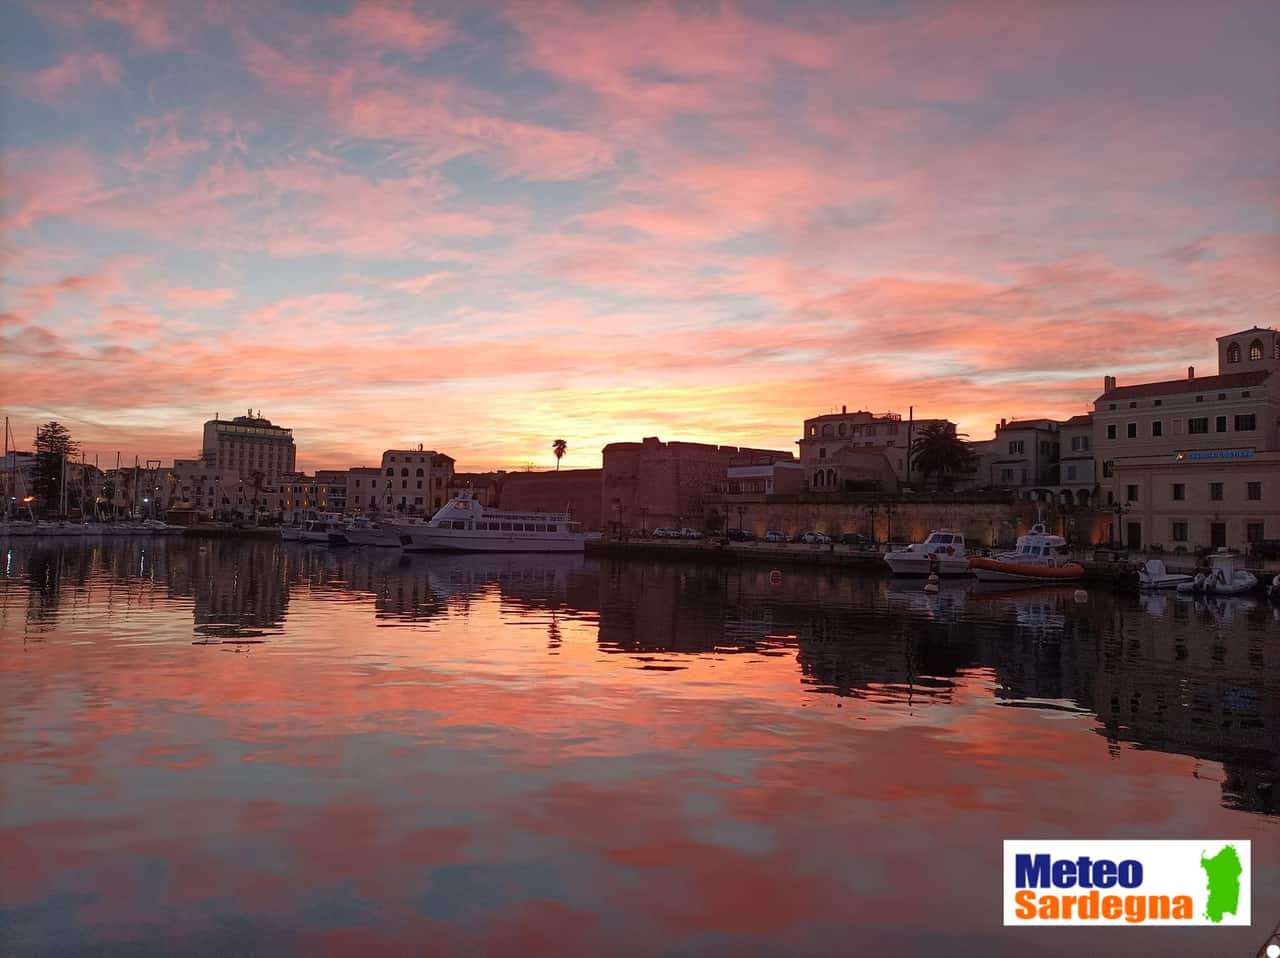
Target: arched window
[(390, 471), (826, 429), (1255, 350), (1233, 353), (404, 472), (831, 478), (419, 473), (844, 429)]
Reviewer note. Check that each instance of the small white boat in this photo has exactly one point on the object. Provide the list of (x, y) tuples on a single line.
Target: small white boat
[(1153, 575), (159, 527), (318, 530), (463, 524), (944, 548), (1273, 593), (362, 531), (291, 533), (1226, 575)]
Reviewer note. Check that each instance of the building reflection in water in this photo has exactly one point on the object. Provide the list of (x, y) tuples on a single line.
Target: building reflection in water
[(1162, 673)]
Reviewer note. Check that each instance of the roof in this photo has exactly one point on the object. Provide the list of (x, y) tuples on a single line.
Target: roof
[(1246, 332), (1084, 419), (1045, 424), (1199, 384)]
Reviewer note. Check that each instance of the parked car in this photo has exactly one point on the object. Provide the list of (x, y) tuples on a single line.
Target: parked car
[(687, 533), (857, 540), (816, 539), (773, 535), (740, 535), (664, 533)]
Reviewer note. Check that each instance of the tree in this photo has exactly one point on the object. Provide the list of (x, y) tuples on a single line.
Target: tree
[(53, 445), (558, 447), (941, 452)]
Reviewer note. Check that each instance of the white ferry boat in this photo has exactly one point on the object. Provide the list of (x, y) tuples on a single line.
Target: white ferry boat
[(944, 548), (465, 525)]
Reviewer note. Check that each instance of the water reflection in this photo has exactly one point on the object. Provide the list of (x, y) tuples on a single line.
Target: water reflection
[(413, 748)]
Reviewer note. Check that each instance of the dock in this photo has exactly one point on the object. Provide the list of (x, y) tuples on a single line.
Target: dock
[(777, 554)]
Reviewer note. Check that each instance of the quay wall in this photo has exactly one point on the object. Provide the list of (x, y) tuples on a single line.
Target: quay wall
[(983, 523)]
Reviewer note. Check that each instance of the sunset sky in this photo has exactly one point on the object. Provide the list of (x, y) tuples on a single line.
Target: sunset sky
[(486, 226)]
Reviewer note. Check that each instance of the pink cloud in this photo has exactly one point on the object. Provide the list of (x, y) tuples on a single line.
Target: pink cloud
[(186, 297), (76, 71), (388, 23)]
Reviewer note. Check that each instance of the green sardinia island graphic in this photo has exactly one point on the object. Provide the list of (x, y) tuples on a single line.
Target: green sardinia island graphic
[(1223, 872)]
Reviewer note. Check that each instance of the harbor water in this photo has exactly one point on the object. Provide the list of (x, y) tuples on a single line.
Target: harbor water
[(225, 746)]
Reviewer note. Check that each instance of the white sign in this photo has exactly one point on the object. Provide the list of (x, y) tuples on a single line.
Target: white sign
[(1127, 883)]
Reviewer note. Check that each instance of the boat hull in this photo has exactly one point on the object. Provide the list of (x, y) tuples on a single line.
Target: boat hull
[(997, 570), (906, 563), (457, 540)]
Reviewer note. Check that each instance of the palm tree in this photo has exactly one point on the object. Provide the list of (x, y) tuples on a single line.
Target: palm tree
[(940, 451), (558, 447)]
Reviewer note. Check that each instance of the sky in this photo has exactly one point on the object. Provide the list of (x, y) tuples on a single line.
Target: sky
[(483, 227)]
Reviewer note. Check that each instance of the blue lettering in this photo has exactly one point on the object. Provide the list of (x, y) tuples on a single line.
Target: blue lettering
[(1104, 873), (1031, 872), (1130, 874), (1083, 864), (1064, 873)]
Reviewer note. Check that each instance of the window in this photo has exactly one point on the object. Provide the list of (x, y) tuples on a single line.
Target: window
[(419, 483), (1079, 443), (390, 471), (1253, 490), (1111, 431), (1133, 405), (822, 453), (1111, 498), (1179, 531), (1006, 475), (1215, 491), (1157, 428), (404, 472), (1071, 473), (417, 501), (1107, 468), (1233, 353), (1246, 423), (1199, 399), (419, 472), (1044, 447), (1131, 430), (1255, 350), (1199, 424), (1179, 491), (1015, 446), (1112, 406), (1253, 531), (844, 429), (1220, 424), (826, 429), (1222, 395), (1131, 493), (1158, 402), (404, 483)]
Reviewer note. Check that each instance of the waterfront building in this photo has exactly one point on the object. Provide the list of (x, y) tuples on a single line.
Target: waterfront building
[(652, 483), (415, 481), (1023, 456), (1077, 478), (335, 481), (1195, 462), (209, 490), (883, 433), (249, 444), (363, 490)]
